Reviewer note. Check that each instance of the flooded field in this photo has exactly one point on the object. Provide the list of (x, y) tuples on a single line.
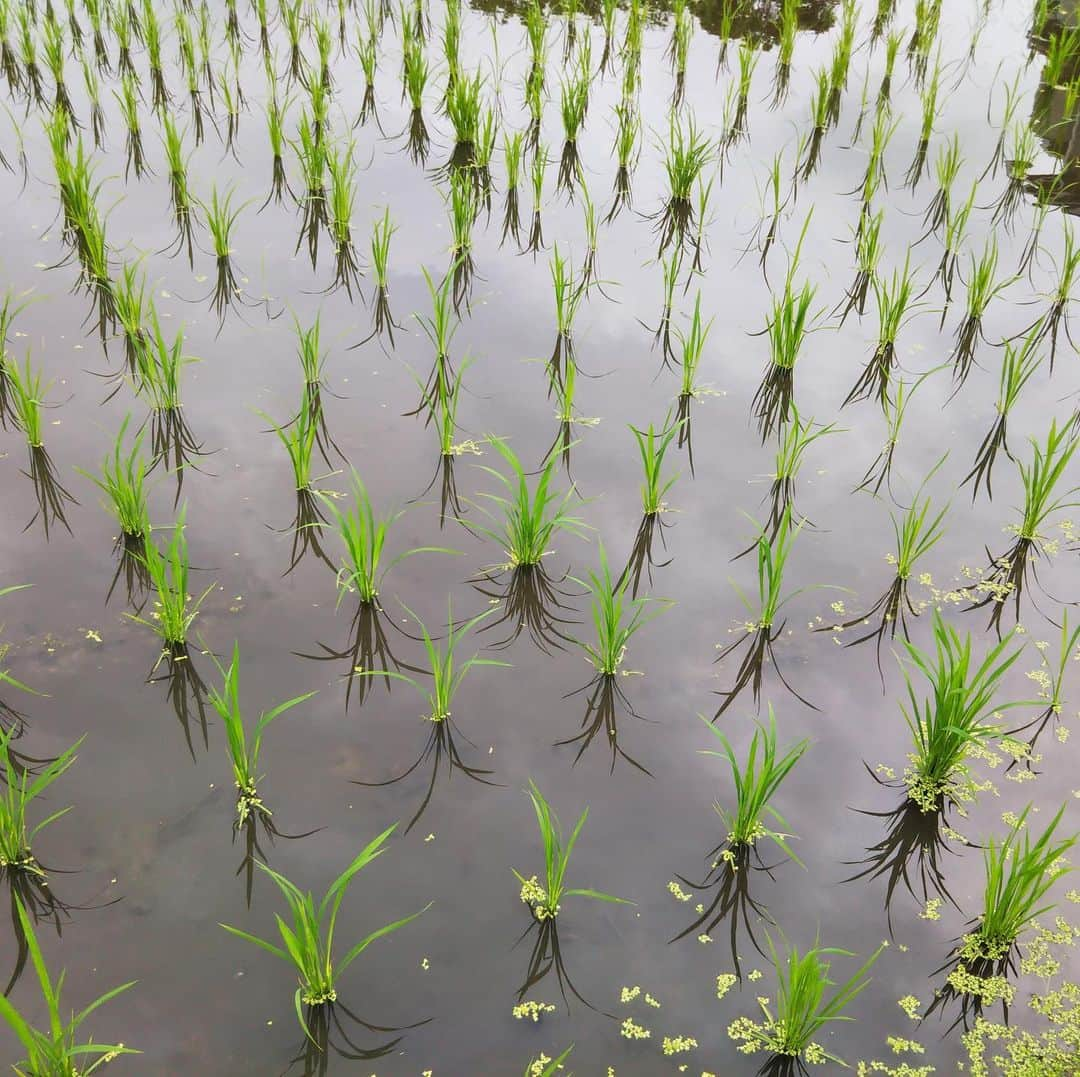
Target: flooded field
[(665, 411)]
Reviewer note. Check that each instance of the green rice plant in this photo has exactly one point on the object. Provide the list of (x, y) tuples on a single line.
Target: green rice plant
[(56, 1050), (452, 42), (1056, 318), (1041, 478), (21, 788), (880, 136), (545, 900), (627, 152), (840, 64), (299, 438), (123, 482), (175, 610), (756, 783), (447, 670), (1018, 366), (513, 150), (1050, 678), (682, 30), (616, 617), (983, 285), (772, 557), (868, 251), (652, 447), (947, 165), (25, 390), (692, 347), (820, 120), (794, 438), (381, 232), (536, 27), (310, 352), (244, 750), (804, 1006), (573, 104), (92, 86), (160, 364), (531, 515), (54, 49), (892, 48), (443, 401), (28, 54), (464, 110), (363, 534), (1022, 152), (128, 100), (176, 159), (308, 943), (220, 218), (688, 154), (1019, 872), (1013, 97), (956, 716), (931, 110), (748, 56), (415, 73), (291, 13), (897, 303), (153, 40), (957, 219), (464, 209)]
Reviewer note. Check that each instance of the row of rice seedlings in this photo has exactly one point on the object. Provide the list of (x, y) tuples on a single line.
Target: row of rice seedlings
[(896, 300), (545, 899), (307, 944), (1018, 365), (244, 747)]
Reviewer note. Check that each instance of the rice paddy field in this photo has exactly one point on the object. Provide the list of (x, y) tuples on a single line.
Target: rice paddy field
[(590, 489)]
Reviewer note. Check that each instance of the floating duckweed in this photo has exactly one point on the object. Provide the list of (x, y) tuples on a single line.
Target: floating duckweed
[(632, 1031), (678, 1045), (532, 1010)]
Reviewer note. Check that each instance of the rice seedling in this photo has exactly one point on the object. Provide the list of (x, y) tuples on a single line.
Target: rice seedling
[(1013, 97), (896, 305), (545, 900), (748, 56), (874, 177), (760, 628), (9, 62), (56, 1050), (927, 22), (299, 437), (682, 30), (308, 944), (53, 48), (1018, 164), (868, 250), (537, 172), (788, 326), (892, 47), (175, 609), (756, 782), (122, 479), (128, 100), (573, 104), (793, 441), (1007, 574), (464, 209), (1019, 872), (28, 54), (415, 75), (452, 43), (25, 390), (291, 13), (1050, 679), (955, 718), (616, 617), (803, 1009), (820, 121), (9, 311), (652, 446), (21, 788), (688, 154), (190, 65), (232, 97), (465, 110), (627, 152), (341, 198), (153, 41), (955, 232), (692, 347), (220, 217), (789, 28), (730, 12), (513, 148), (1056, 317), (1018, 365), (671, 268), (244, 749), (381, 233), (275, 119), (982, 285), (311, 151), (532, 514), (931, 110), (947, 165)]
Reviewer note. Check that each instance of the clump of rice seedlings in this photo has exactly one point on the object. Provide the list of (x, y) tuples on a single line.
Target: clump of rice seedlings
[(652, 446), (1057, 314), (955, 718), (983, 285), (573, 104), (892, 47), (957, 218), (9, 311), (32, 81), (443, 403), (627, 152), (26, 389), (931, 110), (220, 216), (590, 273), (760, 630), (232, 98), (868, 250), (131, 303), (311, 151), (53, 46), (896, 305), (57, 1049), (917, 530), (947, 167), (616, 617), (569, 290), (788, 31), (485, 150), (291, 13), (534, 101), (9, 62), (465, 110), (190, 65), (794, 439), (464, 209), (756, 782), (883, 16), (787, 329), (341, 165), (1041, 478), (536, 27), (692, 347), (452, 43), (416, 73), (1018, 365), (821, 119), (537, 171), (152, 39), (21, 788), (531, 514), (439, 327), (924, 34), (682, 30), (122, 479), (383, 320), (1013, 97), (545, 899), (244, 750), (874, 177), (513, 148), (175, 610), (363, 536), (176, 160), (774, 201), (308, 943), (688, 154), (663, 334), (92, 86), (128, 100), (275, 119), (803, 1006), (748, 56), (1018, 164)]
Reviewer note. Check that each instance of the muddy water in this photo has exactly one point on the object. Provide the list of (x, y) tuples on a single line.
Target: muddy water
[(154, 830)]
